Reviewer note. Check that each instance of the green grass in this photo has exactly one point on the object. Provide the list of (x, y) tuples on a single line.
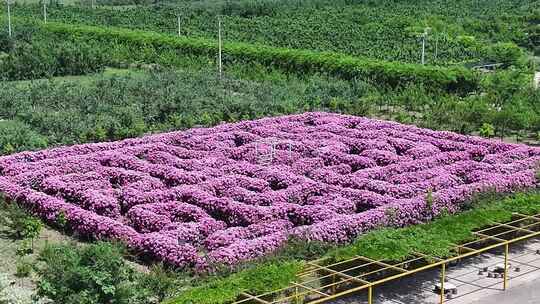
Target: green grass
[(435, 238), (261, 279), (87, 80)]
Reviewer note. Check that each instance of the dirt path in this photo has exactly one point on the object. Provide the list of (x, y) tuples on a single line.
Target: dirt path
[(22, 288)]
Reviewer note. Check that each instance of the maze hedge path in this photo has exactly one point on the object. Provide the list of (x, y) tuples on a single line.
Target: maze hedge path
[(201, 197)]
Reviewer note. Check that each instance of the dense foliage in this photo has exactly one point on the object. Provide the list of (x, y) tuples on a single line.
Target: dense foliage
[(32, 54), (83, 50), (18, 222), (98, 273), (44, 113), (386, 30), (131, 46)]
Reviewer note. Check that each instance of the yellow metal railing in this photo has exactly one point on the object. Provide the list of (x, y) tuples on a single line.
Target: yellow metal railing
[(319, 282)]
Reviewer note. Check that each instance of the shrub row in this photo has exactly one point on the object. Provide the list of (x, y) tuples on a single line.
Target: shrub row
[(33, 54), (461, 31), (455, 79)]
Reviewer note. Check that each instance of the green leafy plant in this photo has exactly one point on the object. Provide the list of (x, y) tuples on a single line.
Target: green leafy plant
[(61, 220), (31, 229), (19, 223), (24, 268), (25, 248), (487, 130), (88, 274)]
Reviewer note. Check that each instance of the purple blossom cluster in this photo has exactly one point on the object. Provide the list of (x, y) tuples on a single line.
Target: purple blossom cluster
[(202, 197)]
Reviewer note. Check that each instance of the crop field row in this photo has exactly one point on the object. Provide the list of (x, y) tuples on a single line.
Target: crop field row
[(202, 197), (460, 31)]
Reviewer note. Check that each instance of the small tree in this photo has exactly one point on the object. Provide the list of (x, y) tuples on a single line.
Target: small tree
[(506, 52), (487, 130), (32, 229)]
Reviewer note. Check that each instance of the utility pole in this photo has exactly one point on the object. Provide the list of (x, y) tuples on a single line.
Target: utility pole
[(220, 63), (424, 48), (44, 11), (178, 19), (424, 38), (10, 32), (437, 49)]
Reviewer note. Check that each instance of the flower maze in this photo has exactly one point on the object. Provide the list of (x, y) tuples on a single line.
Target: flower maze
[(203, 197)]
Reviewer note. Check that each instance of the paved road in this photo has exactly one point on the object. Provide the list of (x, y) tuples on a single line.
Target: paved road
[(528, 293)]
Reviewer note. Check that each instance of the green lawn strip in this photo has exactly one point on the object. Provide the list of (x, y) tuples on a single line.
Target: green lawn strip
[(86, 80), (266, 277), (435, 238)]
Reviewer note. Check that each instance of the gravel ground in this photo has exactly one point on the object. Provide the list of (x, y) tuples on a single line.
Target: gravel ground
[(20, 290)]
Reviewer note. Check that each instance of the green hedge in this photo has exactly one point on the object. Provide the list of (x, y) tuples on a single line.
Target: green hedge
[(455, 79)]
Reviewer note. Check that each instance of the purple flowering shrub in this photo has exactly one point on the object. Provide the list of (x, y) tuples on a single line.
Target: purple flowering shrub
[(202, 197)]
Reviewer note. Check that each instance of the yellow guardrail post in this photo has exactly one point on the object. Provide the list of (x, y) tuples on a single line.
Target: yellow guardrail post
[(505, 279), (443, 270)]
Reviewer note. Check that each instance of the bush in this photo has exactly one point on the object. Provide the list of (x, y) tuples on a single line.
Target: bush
[(19, 223), (160, 283), (506, 53), (16, 136), (97, 273), (90, 274), (24, 268), (487, 130)]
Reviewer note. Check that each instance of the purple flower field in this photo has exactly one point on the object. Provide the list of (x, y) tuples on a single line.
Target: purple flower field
[(223, 195)]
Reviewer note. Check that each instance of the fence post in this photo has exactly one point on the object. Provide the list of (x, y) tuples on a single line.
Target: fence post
[(443, 270), (178, 21)]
